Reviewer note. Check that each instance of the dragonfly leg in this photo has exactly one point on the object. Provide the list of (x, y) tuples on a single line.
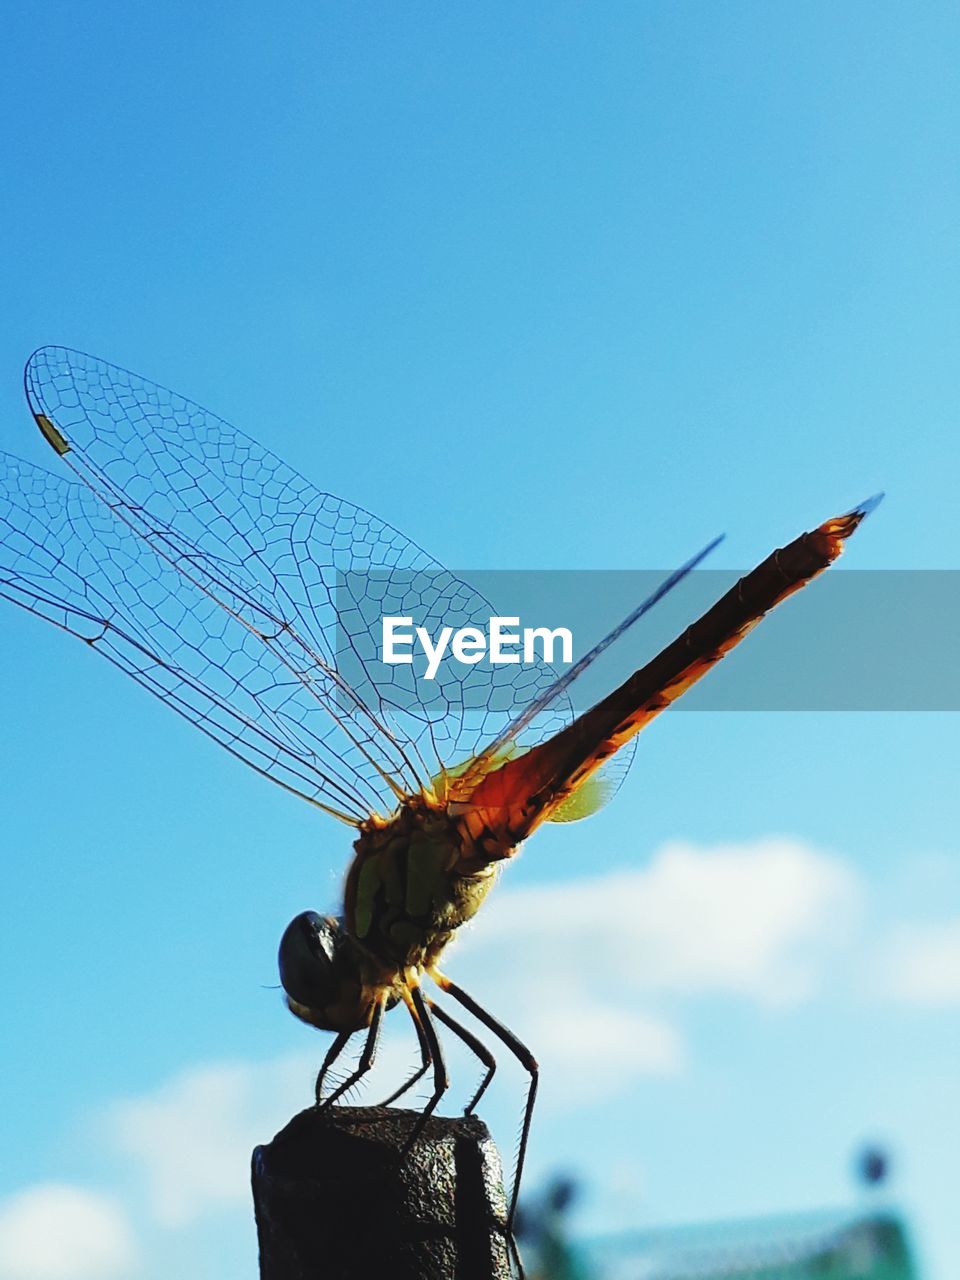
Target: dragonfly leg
[(521, 1053), (425, 1061), (472, 1043), (333, 1053), (418, 1009), (367, 1057)]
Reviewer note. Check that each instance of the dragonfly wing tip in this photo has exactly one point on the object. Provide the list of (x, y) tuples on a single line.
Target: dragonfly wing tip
[(864, 508)]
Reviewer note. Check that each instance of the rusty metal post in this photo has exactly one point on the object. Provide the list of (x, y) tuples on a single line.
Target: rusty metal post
[(334, 1201)]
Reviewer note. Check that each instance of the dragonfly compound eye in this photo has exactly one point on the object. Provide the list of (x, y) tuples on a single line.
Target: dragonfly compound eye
[(308, 959), (320, 973)]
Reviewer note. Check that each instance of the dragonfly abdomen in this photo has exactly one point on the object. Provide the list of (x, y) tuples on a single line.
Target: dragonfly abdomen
[(723, 626), (512, 800)]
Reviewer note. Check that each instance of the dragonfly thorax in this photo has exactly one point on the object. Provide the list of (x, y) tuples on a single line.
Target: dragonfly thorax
[(414, 880)]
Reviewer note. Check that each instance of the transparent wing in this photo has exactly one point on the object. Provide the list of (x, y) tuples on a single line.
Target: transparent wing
[(243, 596), (534, 708), (66, 558)]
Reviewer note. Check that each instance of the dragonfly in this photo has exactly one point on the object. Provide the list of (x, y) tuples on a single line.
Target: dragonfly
[(250, 602)]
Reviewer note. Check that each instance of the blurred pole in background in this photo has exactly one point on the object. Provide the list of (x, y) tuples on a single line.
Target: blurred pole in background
[(543, 1225)]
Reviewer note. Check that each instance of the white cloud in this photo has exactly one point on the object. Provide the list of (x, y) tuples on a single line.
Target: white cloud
[(581, 968), (922, 964), (193, 1136), (605, 1045), (59, 1232), (754, 920)]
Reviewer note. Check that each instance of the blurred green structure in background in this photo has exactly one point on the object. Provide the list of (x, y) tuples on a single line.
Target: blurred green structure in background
[(870, 1243), (821, 1247)]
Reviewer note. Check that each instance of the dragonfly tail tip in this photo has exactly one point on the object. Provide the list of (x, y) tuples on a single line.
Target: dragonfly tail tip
[(839, 528)]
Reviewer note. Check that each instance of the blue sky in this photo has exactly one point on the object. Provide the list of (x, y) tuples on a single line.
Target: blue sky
[(555, 286)]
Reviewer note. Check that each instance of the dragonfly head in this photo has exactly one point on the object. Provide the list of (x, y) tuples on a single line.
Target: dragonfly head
[(321, 972)]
